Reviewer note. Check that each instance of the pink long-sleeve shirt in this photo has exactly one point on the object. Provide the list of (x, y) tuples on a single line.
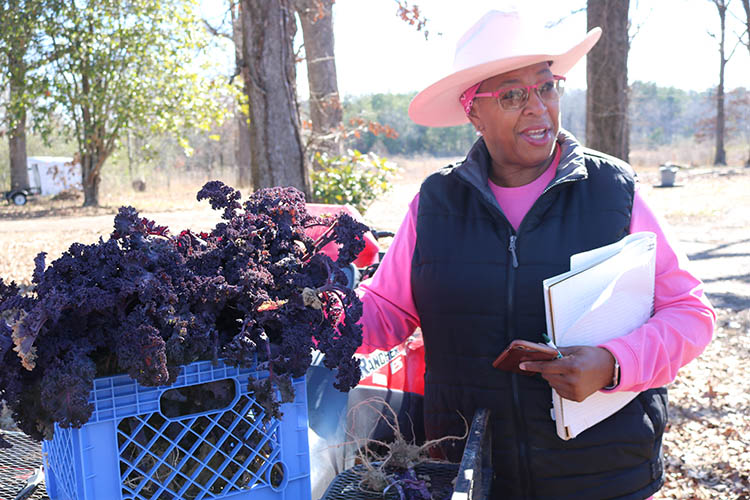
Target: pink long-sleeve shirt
[(649, 356)]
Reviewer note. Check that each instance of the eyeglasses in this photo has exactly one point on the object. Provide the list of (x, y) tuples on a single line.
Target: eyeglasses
[(513, 98)]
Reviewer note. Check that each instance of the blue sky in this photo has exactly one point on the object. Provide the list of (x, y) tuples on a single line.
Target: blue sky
[(377, 52)]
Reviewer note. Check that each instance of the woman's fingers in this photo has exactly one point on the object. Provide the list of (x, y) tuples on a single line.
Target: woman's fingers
[(581, 371)]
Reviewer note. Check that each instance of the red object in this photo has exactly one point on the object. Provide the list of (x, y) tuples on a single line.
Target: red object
[(398, 369), (415, 367), (366, 257)]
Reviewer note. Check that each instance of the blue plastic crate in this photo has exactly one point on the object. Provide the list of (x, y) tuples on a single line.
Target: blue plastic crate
[(131, 450)]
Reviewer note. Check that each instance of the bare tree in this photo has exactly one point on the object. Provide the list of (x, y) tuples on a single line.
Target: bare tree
[(230, 28), (268, 69), (316, 18), (242, 154), (607, 128), (746, 5), (720, 157)]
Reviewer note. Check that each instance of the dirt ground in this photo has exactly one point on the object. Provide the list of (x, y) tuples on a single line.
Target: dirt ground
[(707, 445)]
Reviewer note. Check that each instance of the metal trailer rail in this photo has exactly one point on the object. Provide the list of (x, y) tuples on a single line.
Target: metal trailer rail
[(474, 478), (20, 468)]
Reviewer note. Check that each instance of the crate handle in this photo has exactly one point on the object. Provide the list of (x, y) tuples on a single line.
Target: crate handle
[(277, 476), (197, 399)]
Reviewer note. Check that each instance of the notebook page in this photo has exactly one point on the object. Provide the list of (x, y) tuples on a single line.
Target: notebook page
[(593, 257), (623, 305), (571, 299), (581, 262), (580, 416), (588, 307), (584, 299)]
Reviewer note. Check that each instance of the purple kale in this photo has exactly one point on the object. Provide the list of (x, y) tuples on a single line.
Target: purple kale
[(6, 347), (126, 222), (141, 353), (264, 393), (409, 486), (38, 267), (7, 290), (6, 341), (11, 299), (255, 291), (65, 389), (221, 196), (350, 236)]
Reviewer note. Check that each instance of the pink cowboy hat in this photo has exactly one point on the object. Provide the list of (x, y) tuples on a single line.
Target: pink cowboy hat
[(499, 42)]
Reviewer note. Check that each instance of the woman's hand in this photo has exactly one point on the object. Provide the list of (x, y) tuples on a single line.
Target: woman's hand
[(581, 371)]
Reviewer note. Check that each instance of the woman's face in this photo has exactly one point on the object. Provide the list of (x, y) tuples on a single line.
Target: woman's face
[(522, 140)]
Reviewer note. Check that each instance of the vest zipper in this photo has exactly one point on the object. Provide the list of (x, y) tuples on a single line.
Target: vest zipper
[(510, 332), (512, 249)]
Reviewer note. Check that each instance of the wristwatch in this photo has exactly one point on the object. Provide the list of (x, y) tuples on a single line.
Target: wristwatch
[(615, 376)]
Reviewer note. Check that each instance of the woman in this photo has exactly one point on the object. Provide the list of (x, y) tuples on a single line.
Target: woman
[(468, 262)]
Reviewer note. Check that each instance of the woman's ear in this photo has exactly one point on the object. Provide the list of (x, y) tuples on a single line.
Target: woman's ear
[(475, 120)]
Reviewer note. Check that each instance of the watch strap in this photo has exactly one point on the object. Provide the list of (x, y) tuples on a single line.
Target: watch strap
[(615, 376)]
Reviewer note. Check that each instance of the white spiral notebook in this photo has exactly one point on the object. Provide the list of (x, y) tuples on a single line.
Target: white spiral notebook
[(608, 292)]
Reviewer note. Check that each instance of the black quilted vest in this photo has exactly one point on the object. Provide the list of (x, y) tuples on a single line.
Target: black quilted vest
[(477, 285)]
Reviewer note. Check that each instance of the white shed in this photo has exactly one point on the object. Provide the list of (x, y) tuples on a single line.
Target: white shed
[(52, 174)]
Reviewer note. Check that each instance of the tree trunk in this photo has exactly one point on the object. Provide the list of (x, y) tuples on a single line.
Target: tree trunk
[(721, 155), (316, 18), (746, 5), (607, 127), (277, 154), (91, 179), (242, 151), (93, 153), (131, 177), (19, 177)]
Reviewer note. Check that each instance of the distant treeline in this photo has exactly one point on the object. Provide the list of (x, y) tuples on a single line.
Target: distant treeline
[(658, 116)]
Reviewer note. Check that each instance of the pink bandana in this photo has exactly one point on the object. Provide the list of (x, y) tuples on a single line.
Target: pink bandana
[(467, 98)]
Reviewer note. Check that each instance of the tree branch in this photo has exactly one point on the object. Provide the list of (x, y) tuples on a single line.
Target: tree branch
[(639, 26), (739, 41), (741, 37), (217, 31), (572, 13)]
